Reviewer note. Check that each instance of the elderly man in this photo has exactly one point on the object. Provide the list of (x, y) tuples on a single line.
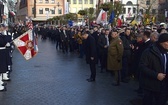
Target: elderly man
[(154, 72), (154, 36)]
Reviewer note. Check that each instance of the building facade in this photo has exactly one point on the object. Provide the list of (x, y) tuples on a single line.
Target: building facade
[(130, 9), (163, 7), (39, 10), (76, 5)]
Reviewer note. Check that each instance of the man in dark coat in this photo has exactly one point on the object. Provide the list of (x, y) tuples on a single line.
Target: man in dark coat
[(154, 72), (65, 40), (125, 37), (58, 38), (103, 44), (91, 54), (146, 38)]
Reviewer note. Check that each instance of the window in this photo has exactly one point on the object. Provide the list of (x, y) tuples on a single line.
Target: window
[(147, 11), (124, 10), (129, 10), (40, 1), (91, 1), (74, 10), (141, 11), (46, 9), (59, 11), (129, 3), (74, 1), (52, 11), (46, 1), (52, 1), (41, 11), (148, 2), (153, 11), (33, 10), (86, 1), (80, 1), (134, 10)]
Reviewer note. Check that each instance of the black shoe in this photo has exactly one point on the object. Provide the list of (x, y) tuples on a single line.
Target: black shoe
[(90, 80), (4, 84)]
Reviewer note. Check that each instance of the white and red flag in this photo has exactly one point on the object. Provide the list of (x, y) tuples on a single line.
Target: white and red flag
[(27, 44), (101, 17)]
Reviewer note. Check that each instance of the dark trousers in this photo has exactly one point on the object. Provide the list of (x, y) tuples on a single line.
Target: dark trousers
[(156, 98), (58, 44), (117, 76), (103, 60), (93, 70), (81, 51), (65, 46), (125, 67)]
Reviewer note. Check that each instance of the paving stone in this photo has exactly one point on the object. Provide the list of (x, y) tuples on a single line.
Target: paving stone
[(54, 78)]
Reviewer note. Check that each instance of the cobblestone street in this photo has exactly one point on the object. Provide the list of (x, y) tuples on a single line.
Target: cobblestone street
[(54, 78)]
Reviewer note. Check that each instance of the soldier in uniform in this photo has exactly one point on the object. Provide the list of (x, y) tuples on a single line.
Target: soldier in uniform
[(115, 53), (4, 55)]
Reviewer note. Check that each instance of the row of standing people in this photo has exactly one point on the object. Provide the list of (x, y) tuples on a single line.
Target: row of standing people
[(124, 52)]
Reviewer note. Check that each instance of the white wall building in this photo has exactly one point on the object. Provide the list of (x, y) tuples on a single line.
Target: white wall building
[(130, 9)]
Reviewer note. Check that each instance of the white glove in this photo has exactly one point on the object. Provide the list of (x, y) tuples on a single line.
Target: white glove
[(7, 44)]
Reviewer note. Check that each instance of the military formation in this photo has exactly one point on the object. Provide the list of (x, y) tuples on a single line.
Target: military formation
[(128, 52)]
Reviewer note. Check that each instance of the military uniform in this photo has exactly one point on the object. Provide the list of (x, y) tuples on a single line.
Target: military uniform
[(114, 60)]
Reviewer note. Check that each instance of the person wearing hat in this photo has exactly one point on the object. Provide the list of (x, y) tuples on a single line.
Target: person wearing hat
[(154, 72), (114, 59), (90, 49), (4, 61)]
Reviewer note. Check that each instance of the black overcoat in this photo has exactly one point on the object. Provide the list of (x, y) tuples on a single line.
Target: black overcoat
[(150, 65), (90, 49)]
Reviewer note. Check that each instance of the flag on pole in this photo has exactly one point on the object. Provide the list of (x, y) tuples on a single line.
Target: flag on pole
[(26, 44), (112, 16), (100, 17)]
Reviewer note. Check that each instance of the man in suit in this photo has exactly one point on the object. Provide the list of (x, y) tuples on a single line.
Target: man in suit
[(91, 54), (58, 38), (146, 38), (103, 44), (125, 37), (64, 39)]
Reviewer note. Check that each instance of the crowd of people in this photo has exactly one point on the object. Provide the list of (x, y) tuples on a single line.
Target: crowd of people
[(138, 52), (128, 52)]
